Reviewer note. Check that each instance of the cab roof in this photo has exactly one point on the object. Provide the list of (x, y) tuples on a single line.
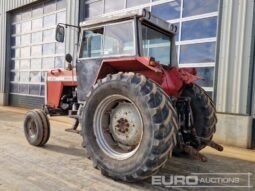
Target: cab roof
[(141, 14)]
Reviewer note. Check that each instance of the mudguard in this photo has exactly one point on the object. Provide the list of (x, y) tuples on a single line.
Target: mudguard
[(170, 79), (130, 64), (176, 78)]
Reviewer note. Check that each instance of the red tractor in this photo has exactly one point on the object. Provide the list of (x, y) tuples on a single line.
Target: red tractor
[(134, 106)]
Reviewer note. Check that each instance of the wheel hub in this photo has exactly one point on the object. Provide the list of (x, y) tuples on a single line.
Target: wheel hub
[(126, 124), (122, 125), (118, 127), (32, 129)]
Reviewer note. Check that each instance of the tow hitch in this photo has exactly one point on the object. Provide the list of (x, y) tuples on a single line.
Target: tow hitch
[(187, 136)]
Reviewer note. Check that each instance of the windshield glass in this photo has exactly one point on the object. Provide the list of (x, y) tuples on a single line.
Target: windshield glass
[(156, 44), (109, 40)]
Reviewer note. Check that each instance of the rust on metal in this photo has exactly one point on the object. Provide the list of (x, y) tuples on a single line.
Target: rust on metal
[(216, 146), (122, 125), (194, 153)]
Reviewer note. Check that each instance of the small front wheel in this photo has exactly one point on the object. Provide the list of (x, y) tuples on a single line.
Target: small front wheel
[(37, 127)]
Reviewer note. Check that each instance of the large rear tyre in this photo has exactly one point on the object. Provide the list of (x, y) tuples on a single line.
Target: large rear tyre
[(37, 127), (204, 116), (128, 127)]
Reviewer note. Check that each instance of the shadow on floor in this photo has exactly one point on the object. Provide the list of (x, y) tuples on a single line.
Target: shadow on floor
[(66, 150), (182, 165)]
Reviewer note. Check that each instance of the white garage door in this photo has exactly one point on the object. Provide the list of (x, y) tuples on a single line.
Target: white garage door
[(34, 49)]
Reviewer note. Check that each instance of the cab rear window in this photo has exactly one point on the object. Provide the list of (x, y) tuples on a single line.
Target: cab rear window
[(156, 44)]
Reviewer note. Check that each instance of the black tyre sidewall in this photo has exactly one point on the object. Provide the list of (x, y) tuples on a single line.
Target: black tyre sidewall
[(45, 125), (32, 115), (203, 111), (104, 161)]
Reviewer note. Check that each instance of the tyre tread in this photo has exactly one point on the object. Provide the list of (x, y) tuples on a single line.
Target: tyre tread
[(165, 140)]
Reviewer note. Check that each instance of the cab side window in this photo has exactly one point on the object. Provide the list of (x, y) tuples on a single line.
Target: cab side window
[(92, 43), (156, 44), (107, 41)]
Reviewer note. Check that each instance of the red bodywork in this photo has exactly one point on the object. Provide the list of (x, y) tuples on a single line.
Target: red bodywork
[(171, 79), (56, 81)]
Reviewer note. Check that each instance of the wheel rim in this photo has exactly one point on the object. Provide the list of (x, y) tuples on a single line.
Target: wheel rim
[(118, 127), (31, 129)]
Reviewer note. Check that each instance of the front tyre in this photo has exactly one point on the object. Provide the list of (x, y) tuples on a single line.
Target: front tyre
[(37, 127), (128, 127)]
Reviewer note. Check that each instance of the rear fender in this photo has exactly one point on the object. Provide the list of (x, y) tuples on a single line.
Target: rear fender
[(176, 78), (188, 75), (131, 64)]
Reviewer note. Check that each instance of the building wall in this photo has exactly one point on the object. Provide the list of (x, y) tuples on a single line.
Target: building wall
[(234, 130), (6, 10), (234, 73), (235, 57)]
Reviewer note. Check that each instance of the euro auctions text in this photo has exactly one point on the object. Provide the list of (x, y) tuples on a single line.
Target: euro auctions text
[(228, 180)]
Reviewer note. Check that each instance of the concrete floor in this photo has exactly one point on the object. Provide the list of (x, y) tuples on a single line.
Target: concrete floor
[(62, 163)]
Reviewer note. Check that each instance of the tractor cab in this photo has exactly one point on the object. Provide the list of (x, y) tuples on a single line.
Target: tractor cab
[(135, 41), (137, 33)]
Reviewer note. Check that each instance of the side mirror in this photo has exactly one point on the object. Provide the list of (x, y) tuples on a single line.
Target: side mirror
[(69, 59), (60, 33)]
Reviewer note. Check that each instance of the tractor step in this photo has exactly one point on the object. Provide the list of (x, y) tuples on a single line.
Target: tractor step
[(73, 116), (74, 126), (71, 130), (72, 112)]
